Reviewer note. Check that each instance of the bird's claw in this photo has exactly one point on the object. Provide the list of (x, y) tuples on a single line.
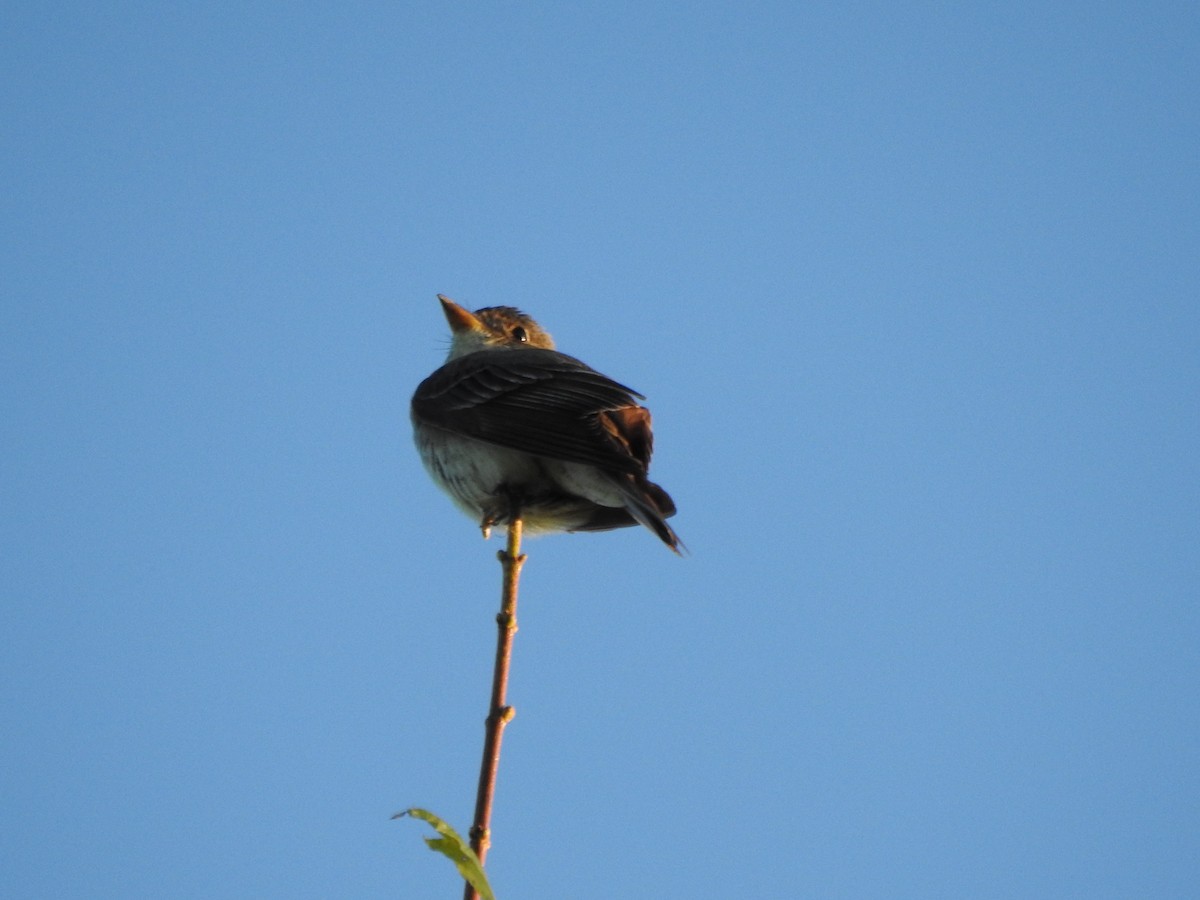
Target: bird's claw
[(486, 523)]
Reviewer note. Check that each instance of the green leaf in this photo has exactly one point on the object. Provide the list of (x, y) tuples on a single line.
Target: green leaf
[(455, 849)]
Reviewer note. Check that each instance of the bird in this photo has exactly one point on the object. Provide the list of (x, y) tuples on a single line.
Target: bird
[(511, 428)]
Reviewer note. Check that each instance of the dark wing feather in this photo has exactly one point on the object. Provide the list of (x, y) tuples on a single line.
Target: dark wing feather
[(541, 402)]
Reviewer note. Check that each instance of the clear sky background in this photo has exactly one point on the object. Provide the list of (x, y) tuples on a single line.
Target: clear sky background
[(912, 291)]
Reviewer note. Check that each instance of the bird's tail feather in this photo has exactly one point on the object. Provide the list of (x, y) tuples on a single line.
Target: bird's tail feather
[(650, 505)]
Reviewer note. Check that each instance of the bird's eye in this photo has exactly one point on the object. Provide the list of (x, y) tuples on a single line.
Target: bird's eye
[(519, 335)]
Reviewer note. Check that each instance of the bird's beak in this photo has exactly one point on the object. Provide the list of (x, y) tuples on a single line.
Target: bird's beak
[(461, 320)]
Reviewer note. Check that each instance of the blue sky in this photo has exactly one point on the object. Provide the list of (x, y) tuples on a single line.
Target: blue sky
[(912, 291)]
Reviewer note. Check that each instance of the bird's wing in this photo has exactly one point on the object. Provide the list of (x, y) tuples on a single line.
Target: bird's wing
[(541, 402)]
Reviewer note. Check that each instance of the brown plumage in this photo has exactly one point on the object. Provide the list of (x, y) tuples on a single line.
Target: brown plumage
[(510, 425)]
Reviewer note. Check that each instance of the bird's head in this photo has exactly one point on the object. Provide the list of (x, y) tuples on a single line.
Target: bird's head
[(491, 328)]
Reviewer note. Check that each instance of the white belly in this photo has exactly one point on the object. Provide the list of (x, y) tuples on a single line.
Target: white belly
[(476, 475)]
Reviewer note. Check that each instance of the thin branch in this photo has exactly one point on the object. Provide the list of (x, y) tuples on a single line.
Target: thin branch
[(499, 713)]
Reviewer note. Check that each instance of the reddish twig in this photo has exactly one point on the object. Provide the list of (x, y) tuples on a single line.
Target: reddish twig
[(499, 713)]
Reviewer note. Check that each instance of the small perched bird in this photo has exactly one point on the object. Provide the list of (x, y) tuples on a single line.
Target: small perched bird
[(509, 427)]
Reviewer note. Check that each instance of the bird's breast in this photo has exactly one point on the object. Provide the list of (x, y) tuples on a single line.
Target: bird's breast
[(471, 471), (555, 495)]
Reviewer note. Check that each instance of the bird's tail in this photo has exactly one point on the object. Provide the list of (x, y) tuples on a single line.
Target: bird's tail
[(650, 505)]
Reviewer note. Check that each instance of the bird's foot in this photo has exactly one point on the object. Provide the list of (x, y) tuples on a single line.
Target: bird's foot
[(485, 524), (505, 507)]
